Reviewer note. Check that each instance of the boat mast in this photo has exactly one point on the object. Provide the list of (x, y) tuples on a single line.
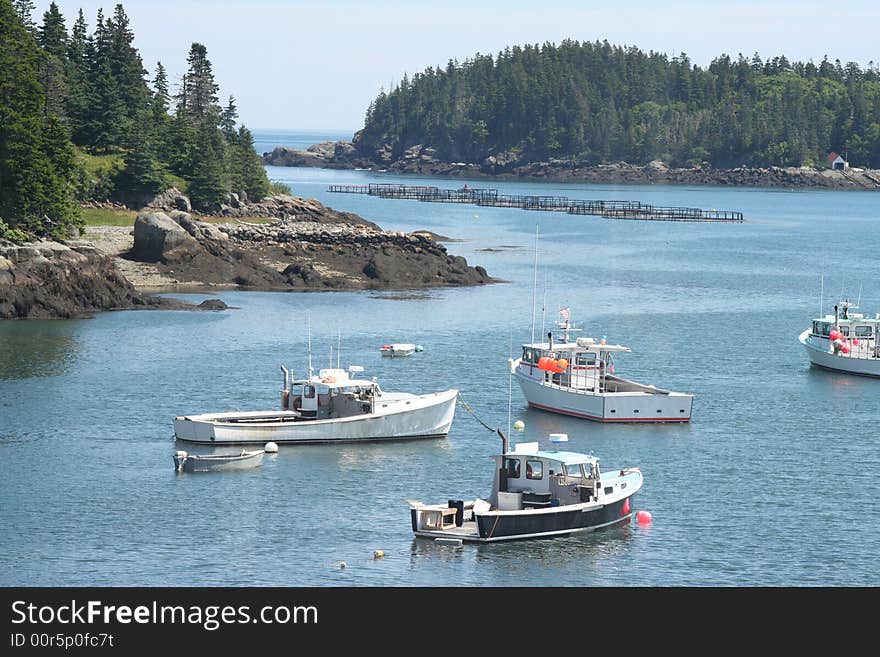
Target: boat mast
[(309, 325), (821, 295), (535, 285)]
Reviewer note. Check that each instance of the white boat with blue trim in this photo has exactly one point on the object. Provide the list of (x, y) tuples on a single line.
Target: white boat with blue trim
[(535, 494), (846, 342), (576, 378)]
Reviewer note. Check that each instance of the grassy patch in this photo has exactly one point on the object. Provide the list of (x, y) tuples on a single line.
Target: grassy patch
[(98, 165), (107, 217)]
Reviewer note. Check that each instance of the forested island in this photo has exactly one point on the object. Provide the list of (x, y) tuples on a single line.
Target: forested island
[(87, 141), (610, 111)]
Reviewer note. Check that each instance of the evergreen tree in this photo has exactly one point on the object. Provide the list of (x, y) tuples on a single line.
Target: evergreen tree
[(198, 97), (228, 119), (24, 9), (143, 175), (209, 183), (247, 173), (37, 161), (76, 73), (52, 38)]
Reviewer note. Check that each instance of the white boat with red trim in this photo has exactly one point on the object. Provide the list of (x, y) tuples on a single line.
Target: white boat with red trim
[(535, 494), (576, 378), (846, 342)]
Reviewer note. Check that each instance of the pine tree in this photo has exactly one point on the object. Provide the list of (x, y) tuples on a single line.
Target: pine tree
[(142, 175), (76, 73), (228, 119), (210, 180), (198, 97), (247, 172), (37, 161), (52, 34), (24, 9)]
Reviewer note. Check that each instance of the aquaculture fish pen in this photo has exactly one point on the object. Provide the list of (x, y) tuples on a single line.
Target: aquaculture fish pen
[(632, 210)]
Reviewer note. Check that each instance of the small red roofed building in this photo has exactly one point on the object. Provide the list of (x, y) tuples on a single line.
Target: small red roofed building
[(836, 161)]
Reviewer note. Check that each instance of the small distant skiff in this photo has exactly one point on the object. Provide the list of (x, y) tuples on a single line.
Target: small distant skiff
[(398, 350), (245, 460)]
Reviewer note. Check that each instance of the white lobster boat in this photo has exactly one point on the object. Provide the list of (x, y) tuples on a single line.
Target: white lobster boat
[(844, 342), (327, 408), (576, 377)]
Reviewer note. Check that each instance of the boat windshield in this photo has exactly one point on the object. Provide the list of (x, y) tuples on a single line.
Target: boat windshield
[(573, 470)]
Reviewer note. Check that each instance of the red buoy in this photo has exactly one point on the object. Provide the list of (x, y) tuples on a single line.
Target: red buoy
[(835, 334), (625, 506), (643, 517)]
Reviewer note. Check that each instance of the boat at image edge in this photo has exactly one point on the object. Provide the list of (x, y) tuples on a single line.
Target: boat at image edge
[(535, 494), (577, 378), (844, 342), (326, 408)]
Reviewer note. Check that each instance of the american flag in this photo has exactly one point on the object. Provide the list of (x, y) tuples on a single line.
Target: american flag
[(565, 314)]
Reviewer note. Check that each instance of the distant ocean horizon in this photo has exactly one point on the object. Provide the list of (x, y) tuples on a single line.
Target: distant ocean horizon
[(266, 140)]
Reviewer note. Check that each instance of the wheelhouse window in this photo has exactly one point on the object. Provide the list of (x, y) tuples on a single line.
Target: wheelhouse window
[(308, 392), (864, 331), (513, 467), (821, 328), (844, 330), (529, 357), (585, 360), (534, 470), (573, 470)]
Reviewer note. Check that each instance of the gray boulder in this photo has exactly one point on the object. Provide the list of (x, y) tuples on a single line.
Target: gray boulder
[(156, 234)]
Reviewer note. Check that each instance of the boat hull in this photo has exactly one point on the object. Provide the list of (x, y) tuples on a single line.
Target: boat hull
[(495, 525), (218, 463), (845, 364), (410, 417), (642, 407)]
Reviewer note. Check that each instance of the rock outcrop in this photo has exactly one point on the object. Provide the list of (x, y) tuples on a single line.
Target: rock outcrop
[(296, 254), (53, 280)]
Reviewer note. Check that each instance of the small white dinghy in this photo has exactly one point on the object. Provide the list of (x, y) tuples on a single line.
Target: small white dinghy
[(245, 460), (398, 350)]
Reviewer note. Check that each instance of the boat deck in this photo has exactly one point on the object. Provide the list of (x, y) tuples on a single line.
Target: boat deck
[(467, 532)]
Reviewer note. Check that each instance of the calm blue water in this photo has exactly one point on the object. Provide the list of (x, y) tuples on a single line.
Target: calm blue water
[(772, 483)]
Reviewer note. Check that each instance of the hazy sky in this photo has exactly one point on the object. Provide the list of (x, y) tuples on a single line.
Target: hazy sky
[(318, 65)]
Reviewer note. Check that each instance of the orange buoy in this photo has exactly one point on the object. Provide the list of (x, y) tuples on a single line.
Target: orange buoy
[(625, 506), (643, 517), (562, 363)]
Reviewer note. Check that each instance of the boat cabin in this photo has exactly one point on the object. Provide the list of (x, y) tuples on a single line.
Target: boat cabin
[(330, 394), (860, 334), (582, 364), (528, 478)]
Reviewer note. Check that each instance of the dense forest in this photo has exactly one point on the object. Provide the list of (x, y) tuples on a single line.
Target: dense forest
[(80, 122), (595, 103)]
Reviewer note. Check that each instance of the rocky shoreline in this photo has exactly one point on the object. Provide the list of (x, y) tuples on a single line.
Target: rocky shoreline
[(288, 243), (507, 166)]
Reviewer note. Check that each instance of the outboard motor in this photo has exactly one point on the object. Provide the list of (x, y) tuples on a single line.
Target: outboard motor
[(179, 460)]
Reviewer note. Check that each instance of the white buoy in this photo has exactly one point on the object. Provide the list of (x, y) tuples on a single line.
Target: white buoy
[(519, 425), (271, 448), (558, 437)]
